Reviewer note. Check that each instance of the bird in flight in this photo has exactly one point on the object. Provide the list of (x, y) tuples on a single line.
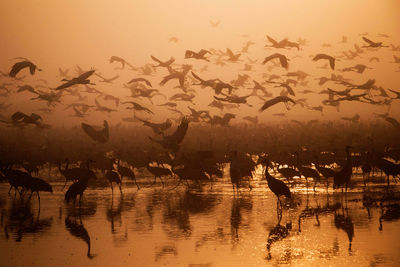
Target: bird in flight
[(17, 67), (282, 58), (325, 56), (164, 64), (81, 79), (372, 43), (197, 55), (100, 136), (277, 100), (107, 80), (138, 107)]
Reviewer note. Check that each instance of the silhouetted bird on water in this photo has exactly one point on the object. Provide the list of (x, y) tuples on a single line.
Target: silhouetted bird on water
[(158, 172), (113, 177), (80, 186), (100, 136), (17, 67), (126, 172), (278, 187), (36, 184), (342, 178)]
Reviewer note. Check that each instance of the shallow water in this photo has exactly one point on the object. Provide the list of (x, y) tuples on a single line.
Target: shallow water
[(158, 226)]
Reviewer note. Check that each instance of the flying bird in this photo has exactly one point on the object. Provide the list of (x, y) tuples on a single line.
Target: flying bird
[(283, 59), (100, 136), (373, 44), (140, 80), (137, 107), (276, 100), (172, 142), (81, 79), (325, 56), (17, 67)]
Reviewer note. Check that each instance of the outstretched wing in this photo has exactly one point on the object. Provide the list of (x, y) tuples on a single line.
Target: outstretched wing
[(180, 133), (17, 67), (368, 40), (393, 122)]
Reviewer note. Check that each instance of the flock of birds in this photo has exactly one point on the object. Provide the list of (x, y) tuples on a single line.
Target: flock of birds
[(227, 95), (203, 165)]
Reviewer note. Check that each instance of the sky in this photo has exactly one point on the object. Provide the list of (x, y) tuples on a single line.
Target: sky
[(64, 33)]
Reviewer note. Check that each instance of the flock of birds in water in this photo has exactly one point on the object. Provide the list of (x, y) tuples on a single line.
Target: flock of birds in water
[(205, 166)]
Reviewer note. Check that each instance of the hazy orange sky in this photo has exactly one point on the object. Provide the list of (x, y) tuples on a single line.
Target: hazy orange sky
[(64, 33)]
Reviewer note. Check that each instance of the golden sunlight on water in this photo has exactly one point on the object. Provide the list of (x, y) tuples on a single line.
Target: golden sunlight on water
[(199, 133), (158, 226)]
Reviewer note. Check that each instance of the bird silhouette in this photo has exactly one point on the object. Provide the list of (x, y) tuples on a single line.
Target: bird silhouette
[(342, 177), (164, 64), (327, 57), (100, 136), (138, 107), (113, 177), (276, 100), (37, 184), (81, 79), (80, 186), (17, 67), (197, 55), (126, 172), (172, 142), (282, 59), (140, 80), (372, 43), (79, 231)]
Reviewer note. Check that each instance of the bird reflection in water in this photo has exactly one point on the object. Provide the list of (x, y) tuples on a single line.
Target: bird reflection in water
[(239, 203), (277, 233), (77, 229), (345, 223), (114, 216), (391, 213), (21, 221)]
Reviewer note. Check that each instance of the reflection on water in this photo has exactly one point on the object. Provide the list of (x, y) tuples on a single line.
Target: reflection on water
[(177, 227)]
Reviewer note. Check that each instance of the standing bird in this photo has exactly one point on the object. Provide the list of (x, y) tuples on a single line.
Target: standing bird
[(276, 100), (325, 56), (80, 186), (282, 58), (17, 67), (278, 187), (126, 172), (158, 172), (36, 184), (113, 177), (342, 178)]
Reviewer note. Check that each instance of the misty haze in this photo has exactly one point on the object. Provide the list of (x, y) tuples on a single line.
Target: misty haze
[(199, 133)]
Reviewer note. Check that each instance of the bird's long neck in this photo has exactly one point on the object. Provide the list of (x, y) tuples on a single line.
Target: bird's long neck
[(267, 175)]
